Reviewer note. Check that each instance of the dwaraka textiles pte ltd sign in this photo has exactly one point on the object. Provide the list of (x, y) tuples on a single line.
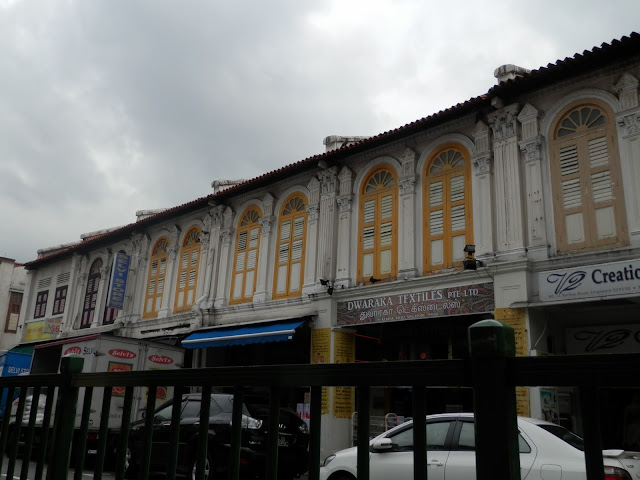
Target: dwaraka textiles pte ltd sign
[(439, 302), (595, 281)]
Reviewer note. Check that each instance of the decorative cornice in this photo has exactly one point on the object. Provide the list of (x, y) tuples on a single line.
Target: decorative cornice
[(627, 90), (481, 137), (531, 149), (345, 177), (408, 161)]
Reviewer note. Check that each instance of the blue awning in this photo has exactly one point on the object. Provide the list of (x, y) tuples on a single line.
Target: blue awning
[(272, 332)]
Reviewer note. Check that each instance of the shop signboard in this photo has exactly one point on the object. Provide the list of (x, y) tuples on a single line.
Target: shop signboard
[(37, 331), (604, 339), (437, 302), (594, 281)]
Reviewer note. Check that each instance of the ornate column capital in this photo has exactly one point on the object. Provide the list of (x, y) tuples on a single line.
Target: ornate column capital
[(504, 122), (531, 149), (266, 223), (225, 237), (205, 239), (629, 123), (328, 180), (407, 185), (313, 212), (344, 203), (483, 163)]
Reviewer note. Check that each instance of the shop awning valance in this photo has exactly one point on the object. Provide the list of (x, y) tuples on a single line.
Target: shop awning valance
[(260, 333)]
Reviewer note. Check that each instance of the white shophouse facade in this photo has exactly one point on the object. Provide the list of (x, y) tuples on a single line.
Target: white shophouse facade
[(541, 174)]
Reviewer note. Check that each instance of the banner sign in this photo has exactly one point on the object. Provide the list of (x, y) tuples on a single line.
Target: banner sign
[(439, 302), (603, 280), (118, 285)]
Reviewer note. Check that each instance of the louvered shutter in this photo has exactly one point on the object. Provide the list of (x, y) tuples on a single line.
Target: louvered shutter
[(368, 237), (458, 217), (436, 223)]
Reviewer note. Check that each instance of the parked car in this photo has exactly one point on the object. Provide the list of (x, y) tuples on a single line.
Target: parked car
[(547, 450), (293, 439)]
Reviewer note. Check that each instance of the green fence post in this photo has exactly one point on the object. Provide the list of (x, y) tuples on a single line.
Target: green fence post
[(65, 418), (491, 345)]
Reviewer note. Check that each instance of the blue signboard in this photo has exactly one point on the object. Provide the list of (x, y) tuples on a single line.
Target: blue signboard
[(118, 286)]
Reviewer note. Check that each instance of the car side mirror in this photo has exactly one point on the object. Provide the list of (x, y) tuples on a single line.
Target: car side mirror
[(382, 445)]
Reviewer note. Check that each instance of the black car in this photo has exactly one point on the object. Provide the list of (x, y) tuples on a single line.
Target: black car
[(293, 440)]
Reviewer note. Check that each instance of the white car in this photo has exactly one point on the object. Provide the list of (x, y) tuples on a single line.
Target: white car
[(547, 451)]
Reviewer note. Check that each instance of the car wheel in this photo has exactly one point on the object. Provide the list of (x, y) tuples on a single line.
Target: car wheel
[(342, 476), (208, 468)]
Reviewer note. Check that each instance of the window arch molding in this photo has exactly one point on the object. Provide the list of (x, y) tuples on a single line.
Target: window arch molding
[(586, 94), (361, 260), (452, 138), (188, 267), (290, 244), (584, 174), (246, 253)]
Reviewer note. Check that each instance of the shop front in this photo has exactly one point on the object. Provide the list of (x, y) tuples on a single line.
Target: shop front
[(421, 325), (279, 342), (592, 309)]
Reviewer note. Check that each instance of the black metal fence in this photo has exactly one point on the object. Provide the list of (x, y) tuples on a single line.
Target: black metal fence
[(492, 372)]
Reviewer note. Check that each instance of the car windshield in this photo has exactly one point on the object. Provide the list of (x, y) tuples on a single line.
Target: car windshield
[(565, 435)]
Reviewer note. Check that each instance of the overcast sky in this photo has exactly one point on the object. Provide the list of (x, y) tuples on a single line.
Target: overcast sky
[(108, 107)]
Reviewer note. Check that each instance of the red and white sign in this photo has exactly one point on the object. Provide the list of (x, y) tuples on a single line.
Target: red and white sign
[(160, 359), (122, 354), (76, 350)]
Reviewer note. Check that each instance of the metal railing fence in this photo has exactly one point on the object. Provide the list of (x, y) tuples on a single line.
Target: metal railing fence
[(492, 372)]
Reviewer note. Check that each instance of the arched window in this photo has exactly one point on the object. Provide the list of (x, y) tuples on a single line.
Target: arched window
[(91, 294), (188, 270), (588, 199), (447, 208), (289, 269), (245, 260), (377, 238), (156, 278)]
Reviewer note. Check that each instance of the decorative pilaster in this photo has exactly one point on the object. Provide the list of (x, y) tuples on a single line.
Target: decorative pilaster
[(508, 204), (406, 215), (531, 147), (327, 237), (136, 281), (482, 162), (260, 295), (207, 260), (225, 269), (311, 255), (344, 201), (628, 120), (216, 226)]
